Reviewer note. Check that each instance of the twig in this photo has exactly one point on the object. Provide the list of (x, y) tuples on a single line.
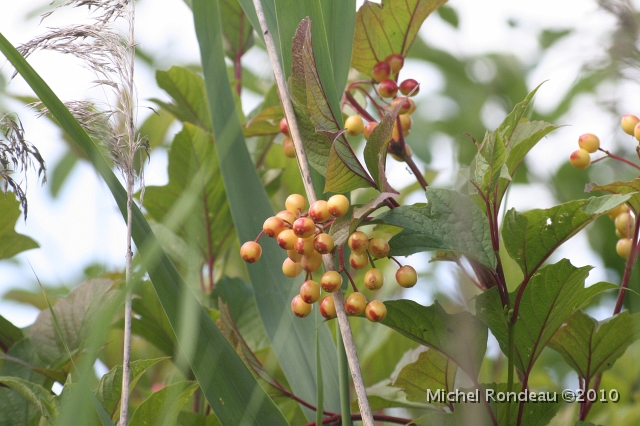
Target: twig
[(305, 171)]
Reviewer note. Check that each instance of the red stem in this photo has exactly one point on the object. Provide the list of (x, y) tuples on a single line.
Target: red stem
[(355, 105), (616, 157)]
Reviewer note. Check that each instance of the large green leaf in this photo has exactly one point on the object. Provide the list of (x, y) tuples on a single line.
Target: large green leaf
[(150, 321), (490, 162), (531, 237), (632, 188), (193, 203), (552, 295), (38, 396), (228, 385), (11, 243), (292, 339), (335, 156), (387, 28), (591, 347), (460, 337), (77, 315), (15, 409), (449, 221), (431, 371), (109, 389), (187, 90), (163, 407)]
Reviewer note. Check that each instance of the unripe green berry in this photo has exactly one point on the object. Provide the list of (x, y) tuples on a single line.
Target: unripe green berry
[(375, 311), (623, 247), (273, 226), (373, 279), (378, 248), (354, 125), (338, 205), (589, 142), (323, 243), (628, 123), (250, 251), (331, 281), (355, 304), (358, 241), (406, 276), (299, 307), (295, 203), (290, 268), (580, 159), (328, 307), (318, 212), (310, 291)]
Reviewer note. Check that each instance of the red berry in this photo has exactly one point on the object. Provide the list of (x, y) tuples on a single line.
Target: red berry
[(300, 307), (369, 128), (328, 307), (250, 251), (387, 88), (408, 85), (381, 71), (406, 104), (331, 281), (355, 304), (284, 126), (396, 61), (375, 311), (406, 276)]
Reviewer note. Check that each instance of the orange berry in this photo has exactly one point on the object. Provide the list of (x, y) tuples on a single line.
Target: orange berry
[(328, 307), (375, 311), (295, 203), (355, 303), (338, 205), (318, 212), (310, 291), (299, 307), (250, 251), (331, 281), (273, 226)]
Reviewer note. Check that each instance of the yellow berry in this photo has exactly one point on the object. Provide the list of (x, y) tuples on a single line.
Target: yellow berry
[(628, 123), (338, 205), (354, 125), (295, 203), (580, 159), (589, 142), (623, 247)]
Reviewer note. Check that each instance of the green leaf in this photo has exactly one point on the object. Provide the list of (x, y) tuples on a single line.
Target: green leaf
[(38, 396), (387, 28), (163, 407), (205, 346), (193, 204), (334, 157), (431, 371), (267, 122), (460, 337), (109, 389), (375, 151), (61, 172), (490, 160), (632, 188), (250, 206), (12, 242), (552, 295), (193, 419), (77, 314), (15, 409), (449, 221), (9, 334), (591, 347), (187, 90), (236, 28), (531, 237), (150, 321)]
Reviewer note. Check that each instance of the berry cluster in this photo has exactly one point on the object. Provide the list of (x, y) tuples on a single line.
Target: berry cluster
[(624, 222), (580, 158), (302, 234)]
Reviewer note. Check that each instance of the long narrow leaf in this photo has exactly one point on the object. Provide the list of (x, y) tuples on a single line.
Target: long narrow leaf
[(230, 388), (292, 338)]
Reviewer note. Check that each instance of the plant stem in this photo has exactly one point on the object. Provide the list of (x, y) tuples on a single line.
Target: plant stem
[(617, 157), (355, 105), (511, 327), (343, 376), (305, 171), (130, 177)]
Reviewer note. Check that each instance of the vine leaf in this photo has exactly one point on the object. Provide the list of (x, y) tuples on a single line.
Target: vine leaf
[(194, 199), (77, 314), (327, 149), (236, 29), (632, 187), (461, 337), (591, 347), (375, 151), (163, 406), (431, 371), (450, 222), (531, 237), (552, 295), (109, 387), (12, 242), (387, 28)]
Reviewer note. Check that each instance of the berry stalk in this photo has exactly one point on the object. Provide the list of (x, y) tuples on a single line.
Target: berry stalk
[(305, 171)]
